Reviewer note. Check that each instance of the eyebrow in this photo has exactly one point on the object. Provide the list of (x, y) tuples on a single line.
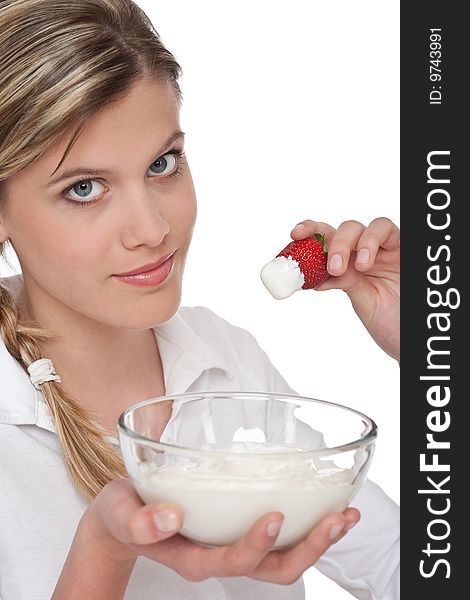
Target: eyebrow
[(93, 171)]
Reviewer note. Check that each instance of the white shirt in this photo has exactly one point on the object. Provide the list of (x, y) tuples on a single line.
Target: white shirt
[(40, 509)]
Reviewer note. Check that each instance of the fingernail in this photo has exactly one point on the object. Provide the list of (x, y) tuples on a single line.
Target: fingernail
[(299, 226), (350, 525), (336, 262), (272, 529), (335, 531), (363, 256), (166, 520)]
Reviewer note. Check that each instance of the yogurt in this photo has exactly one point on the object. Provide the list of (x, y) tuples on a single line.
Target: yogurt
[(282, 277), (222, 498)]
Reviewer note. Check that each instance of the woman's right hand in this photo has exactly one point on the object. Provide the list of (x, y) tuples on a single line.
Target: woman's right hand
[(125, 528)]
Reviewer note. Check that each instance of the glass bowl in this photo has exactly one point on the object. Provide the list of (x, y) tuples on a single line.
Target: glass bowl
[(227, 458)]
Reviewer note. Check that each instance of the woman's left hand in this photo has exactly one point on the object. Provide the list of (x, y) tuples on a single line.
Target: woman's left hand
[(365, 263)]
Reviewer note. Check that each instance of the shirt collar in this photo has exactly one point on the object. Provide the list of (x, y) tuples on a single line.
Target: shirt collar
[(184, 353), (18, 399)]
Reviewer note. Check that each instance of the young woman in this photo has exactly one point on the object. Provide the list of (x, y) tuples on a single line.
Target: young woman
[(97, 200)]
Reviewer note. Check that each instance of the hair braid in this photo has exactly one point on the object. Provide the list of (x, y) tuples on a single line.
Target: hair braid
[(90, 460)]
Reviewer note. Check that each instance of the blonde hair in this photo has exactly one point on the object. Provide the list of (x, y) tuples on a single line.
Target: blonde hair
[(62, 62)]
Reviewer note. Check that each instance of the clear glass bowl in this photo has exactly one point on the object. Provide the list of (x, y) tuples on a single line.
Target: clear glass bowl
[(227, 458)]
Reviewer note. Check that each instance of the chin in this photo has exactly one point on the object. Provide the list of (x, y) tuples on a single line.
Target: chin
[(156, 314)]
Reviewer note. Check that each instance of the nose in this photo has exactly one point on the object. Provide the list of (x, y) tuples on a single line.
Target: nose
[(144, 223)]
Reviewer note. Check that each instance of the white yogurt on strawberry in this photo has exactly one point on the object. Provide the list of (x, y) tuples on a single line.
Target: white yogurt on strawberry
[(282, 277), (222, 499)]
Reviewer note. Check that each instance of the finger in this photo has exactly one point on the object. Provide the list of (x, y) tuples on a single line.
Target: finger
[(198, 563), (308, 228), (351, 519), (242, 557), (345, 282), (249, 551), (286, 566), (130, 521), (381, 232), (341, 245)]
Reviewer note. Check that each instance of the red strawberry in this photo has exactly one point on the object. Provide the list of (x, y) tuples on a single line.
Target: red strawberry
[(311, 255), (301, 265)]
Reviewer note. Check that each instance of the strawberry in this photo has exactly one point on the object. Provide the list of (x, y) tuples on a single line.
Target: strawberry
[(311, 255), (301, 265)]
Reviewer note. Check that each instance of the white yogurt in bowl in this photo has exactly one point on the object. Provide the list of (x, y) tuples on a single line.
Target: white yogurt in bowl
[(308, 459), (222, 499)]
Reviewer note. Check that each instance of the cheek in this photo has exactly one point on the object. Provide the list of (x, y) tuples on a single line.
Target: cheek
[(187, 217), (46, 248), (84, 247), (39, 231), (74, 249), (187, 209), (183, 212)]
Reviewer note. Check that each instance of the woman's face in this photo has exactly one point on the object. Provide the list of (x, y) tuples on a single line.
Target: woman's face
[(138, 208)]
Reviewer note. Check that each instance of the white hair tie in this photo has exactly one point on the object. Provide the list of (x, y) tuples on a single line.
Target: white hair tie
[(42, 370)]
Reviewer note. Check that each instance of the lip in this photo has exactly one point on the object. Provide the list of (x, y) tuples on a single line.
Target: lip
[(145, 268), (150, 274)]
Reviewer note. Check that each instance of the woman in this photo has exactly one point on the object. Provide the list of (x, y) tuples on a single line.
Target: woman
[(94, 187)]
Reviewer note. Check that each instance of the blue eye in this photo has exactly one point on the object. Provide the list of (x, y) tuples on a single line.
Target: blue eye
[(166, 167), (83, 190), (164, 164)]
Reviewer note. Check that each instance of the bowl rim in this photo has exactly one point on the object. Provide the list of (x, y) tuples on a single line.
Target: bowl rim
[(370, 432)]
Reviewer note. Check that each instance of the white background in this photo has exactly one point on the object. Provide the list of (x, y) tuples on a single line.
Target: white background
[(291, 111)]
